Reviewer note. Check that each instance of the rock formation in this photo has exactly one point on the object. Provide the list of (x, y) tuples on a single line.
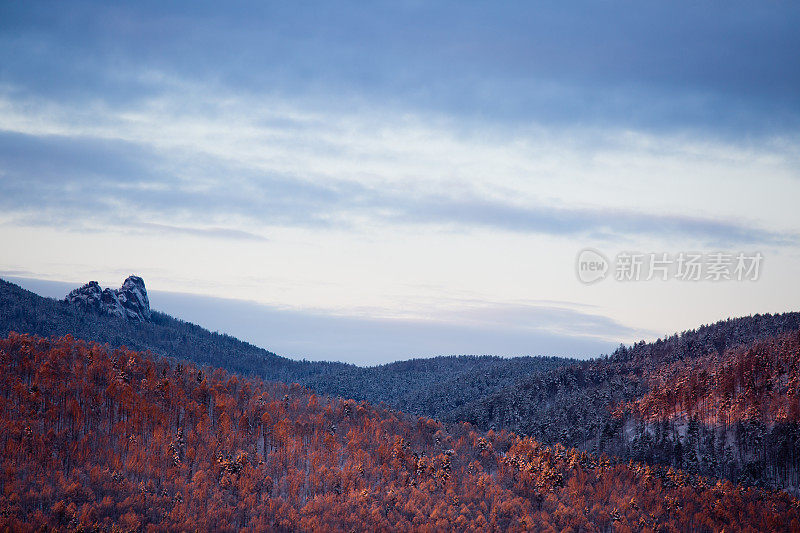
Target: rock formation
[(129, 301)]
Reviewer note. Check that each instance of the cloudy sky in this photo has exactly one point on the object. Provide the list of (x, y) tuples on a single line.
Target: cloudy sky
[(370, 182)]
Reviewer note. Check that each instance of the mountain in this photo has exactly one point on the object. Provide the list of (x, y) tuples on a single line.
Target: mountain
[(95, 438), (589, 405)]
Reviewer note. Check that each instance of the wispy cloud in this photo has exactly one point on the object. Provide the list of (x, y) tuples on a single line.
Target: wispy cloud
[(497, 330), (82, 182), (217, 233), (598, 223)]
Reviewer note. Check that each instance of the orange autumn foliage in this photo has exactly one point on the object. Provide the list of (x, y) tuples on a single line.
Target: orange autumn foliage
[(100, 439)]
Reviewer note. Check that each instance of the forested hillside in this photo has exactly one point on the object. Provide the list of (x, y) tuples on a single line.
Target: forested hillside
[(734, 414), (435, 386), (578, 405), (95, 438), (586, 405)]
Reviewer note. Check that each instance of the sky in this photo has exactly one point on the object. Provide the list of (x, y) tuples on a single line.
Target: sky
[(372, 182)]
